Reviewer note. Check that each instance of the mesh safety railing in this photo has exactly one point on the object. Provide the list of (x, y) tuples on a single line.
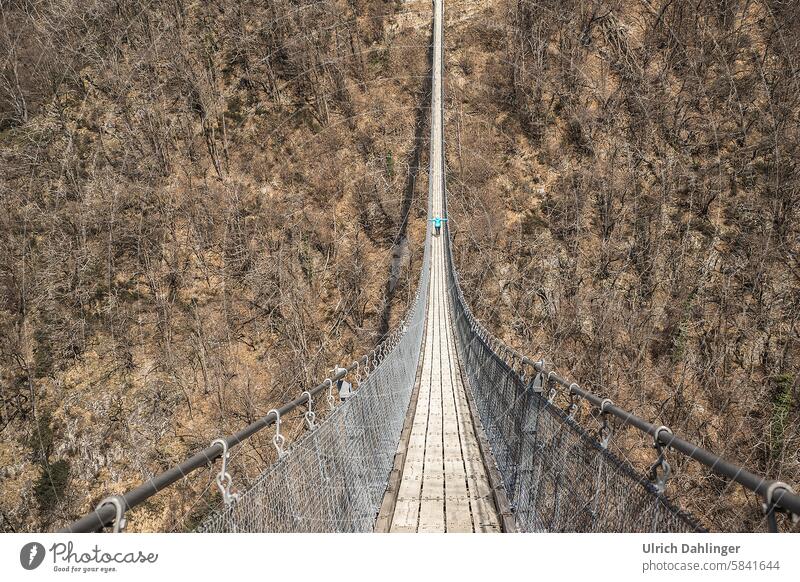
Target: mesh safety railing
[(332, 478), (558, 476)]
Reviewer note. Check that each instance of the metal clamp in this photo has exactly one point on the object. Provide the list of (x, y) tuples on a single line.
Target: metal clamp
[(538, 383), (119, 506), (224, 479), (605, 433), (310, 416), (278, 440), (547, 383), (331, 399), (605, 430), (573, 408), (604, 403), (660, 479), (770, 508), (657, 432)]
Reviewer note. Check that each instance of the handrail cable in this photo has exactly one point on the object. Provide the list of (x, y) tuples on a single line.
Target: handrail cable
[(104, 515)]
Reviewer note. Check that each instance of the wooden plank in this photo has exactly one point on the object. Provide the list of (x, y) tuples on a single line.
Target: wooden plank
[(405, 516), (458, 515), (431, 516)]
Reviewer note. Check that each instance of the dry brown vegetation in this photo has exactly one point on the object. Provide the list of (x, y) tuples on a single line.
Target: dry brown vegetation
[(623, 193), (201, 202)]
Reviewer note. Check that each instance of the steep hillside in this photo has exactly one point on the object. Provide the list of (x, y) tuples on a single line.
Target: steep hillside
[(623, 194), (205, 206)]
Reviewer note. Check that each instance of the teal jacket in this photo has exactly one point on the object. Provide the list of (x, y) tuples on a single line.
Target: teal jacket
[(437, 222)]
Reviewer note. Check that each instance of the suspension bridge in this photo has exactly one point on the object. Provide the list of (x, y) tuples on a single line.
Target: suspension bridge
[(448, 430)]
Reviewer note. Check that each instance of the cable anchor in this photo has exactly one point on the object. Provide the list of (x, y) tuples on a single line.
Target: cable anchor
[(224, 479), (278, 440), (119, 506)]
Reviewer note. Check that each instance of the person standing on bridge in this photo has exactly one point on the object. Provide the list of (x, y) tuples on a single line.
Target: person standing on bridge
[(437, 223)]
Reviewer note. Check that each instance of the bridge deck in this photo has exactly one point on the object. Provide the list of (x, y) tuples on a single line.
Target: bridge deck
[(444, 485)]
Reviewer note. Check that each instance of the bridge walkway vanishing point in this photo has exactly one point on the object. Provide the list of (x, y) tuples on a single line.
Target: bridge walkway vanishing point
[(444, 485)]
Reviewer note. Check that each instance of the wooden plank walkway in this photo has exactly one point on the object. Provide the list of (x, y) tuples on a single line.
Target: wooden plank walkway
[(444, 485)]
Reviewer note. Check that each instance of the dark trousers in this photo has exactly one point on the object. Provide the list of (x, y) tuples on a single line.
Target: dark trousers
[(438, 229)]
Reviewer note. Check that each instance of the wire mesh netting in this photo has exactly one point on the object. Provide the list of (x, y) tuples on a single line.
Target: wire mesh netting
[(334, 477), (558, 477)]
